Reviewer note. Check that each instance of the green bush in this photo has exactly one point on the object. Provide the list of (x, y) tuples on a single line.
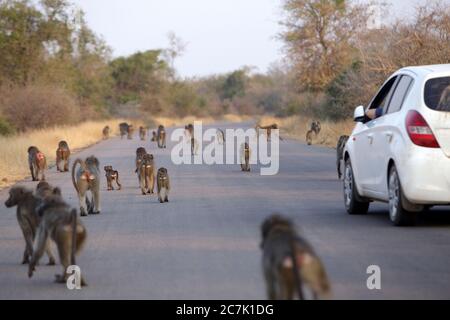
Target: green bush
[(6, 129)]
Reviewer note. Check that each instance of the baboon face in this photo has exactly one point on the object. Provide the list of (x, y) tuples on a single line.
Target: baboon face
[(246, 146), (16, 194), (141, 151), (108, 168), (162, 172), (92, 161), (33, 150)]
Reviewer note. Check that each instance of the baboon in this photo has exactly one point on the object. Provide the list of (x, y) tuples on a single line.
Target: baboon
[(112, 176), (123, 128), (142, 133), (140, 153), (154, 137), (289, 262), (44, 190), (37, 163), (106, 131), (220, 136), (194, 146), (190, 130), (340, 153), (130, 132), (309, 137), (161, 137), (147, 174), (163, 185), (316, 127), (87, 179), (245, 157), (62, 156), (268, 130), (28, 220), (61, 224)]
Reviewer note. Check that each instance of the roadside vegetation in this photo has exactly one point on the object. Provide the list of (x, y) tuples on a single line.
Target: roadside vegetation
[(55, 72)]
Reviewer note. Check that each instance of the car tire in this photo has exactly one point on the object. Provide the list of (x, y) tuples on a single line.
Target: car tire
[(397, 213), (353, 202)]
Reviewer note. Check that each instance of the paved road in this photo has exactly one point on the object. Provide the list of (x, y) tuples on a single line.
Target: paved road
[(204, 243)]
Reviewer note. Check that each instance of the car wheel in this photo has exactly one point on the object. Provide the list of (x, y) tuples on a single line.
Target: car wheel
[(398, 215), (352, 200)]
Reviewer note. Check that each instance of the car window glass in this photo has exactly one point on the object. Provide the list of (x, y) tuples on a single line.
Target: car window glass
[(383, 96), (437, 94), (401, 91)]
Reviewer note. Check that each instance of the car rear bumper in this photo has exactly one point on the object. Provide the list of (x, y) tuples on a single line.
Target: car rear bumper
[(425, 176)]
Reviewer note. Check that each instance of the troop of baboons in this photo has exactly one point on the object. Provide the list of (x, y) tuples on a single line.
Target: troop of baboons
[(290, 265)]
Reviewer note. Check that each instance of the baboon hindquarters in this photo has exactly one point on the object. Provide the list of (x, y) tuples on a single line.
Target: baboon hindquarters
[(62, 160), (147, 179)]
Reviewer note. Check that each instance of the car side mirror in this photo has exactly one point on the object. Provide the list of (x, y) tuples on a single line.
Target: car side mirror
[(360, 114)]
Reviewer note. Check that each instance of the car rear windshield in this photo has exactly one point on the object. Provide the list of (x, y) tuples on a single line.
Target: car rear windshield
[(437, 94)]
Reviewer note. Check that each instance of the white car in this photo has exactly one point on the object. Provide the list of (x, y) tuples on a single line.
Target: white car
[(402, 157)]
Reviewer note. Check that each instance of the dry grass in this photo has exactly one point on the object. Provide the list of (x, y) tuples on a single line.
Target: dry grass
[(13, 150), (296, 127)]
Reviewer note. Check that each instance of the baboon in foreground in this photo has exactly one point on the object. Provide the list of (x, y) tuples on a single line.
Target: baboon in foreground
[(147, 174), (130, 132), (246, 153), (289, 262), (62, 157), (112, 176), (142, 133), (28, 219), (161, 137), (123, 128), (106, 131), (87, 178), (340, 153), (37, 163), (163, 185), (61, 224)]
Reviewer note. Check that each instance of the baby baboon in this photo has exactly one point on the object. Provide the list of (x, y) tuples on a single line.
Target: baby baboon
[(154, 137), (220, 136), (147, 174), (37, 163), (112, 176), (161, 137), (309, 137), (289, 262), (87, 179), (246, 153), (62, 156), (61, 224), (123, 128), (340, 153), (142, 133), (163, 185), (44, 190), (268, 130), (106, 131), (130, 132), (28, 219)]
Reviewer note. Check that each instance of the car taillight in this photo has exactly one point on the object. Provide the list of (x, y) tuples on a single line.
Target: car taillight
[(419, 131)]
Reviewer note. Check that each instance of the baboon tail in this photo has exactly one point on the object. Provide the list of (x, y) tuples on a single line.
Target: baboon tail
[(81, 163), (74, 237), (296, 269)]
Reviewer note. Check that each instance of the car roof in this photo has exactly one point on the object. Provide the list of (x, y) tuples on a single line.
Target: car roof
[(425, 71)]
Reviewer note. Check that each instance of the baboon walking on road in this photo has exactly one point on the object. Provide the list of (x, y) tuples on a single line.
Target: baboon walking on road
[(289, 262), (123, 127), (105, 132), (140, 153), (163, 185), (28, 219), (246, 153), (340, 153), (154, 137), (61, 224), (87, 178), (130, 132), (268, 130), (112, 176), (309, 137), (62, 156), (37, 163), (161, 137), (147, 174), (142, 133)]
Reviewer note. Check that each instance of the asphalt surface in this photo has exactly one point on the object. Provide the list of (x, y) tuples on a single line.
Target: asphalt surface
[(204, 244)]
